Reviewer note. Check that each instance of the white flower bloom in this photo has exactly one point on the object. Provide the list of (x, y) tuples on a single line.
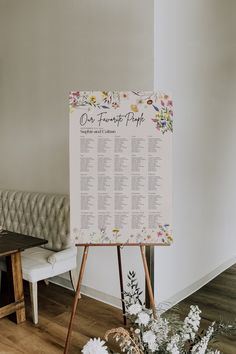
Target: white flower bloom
[(149, 337), (201, 347), (191, 323), (161, 328), (134, 309), (95, 346), (172, 346), (143, 318), (153, 346)]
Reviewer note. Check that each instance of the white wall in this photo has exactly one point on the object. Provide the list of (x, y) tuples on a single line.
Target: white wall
[(47, 48), (196, 61)]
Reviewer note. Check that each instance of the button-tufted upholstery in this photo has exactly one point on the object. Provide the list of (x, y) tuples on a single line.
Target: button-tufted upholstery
[(37, 214), (45, 216)]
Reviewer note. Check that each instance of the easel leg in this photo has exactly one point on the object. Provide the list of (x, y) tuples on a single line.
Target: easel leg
[(121, 284), (76, 298), (149, 251), (148, 280)]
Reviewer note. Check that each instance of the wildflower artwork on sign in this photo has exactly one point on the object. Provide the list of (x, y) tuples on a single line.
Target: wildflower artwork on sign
[(120, 167)]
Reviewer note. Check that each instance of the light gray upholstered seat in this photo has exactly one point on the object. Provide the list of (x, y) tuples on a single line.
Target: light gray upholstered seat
[(45, 216)]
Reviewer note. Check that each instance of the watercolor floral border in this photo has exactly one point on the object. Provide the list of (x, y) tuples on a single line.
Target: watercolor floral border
[(162, 117), (163, 235), (161, 103)]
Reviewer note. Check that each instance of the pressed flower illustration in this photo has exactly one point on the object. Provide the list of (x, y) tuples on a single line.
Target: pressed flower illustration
[(164, 116), (92, 100), (130, 132), (161, 104), (164, 233), (161, 235), (134, 108)]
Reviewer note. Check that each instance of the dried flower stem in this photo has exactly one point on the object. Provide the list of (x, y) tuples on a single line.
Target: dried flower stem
[(121, 332)]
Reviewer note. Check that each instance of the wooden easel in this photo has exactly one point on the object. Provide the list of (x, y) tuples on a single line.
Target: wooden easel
[(81, 274)]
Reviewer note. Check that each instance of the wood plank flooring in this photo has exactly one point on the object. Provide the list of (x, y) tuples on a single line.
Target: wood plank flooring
[(216, 300)]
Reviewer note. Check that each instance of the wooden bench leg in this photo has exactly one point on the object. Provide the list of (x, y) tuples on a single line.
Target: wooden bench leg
[(14, 273), (18, 285), (34, 301), (4, 293), (0, 282)]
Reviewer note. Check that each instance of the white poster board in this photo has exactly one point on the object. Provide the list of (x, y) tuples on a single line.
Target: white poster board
[(120, 167)]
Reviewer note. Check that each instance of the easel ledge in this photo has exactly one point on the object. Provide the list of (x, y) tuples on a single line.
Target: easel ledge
[(81, 274)]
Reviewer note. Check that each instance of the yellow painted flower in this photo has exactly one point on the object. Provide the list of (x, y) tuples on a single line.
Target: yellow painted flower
[(93, 99), (115, 230), (134, 108)]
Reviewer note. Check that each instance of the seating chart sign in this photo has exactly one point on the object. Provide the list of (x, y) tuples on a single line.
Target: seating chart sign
[(120, 167)]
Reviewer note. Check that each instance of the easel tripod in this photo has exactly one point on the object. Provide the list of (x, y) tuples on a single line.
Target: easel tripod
[(81, 274)]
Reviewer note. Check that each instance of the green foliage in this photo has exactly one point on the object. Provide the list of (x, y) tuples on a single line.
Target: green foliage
[(133, 294)]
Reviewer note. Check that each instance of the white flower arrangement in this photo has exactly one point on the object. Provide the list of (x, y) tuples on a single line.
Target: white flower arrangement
[(155, 333), (95, 345)]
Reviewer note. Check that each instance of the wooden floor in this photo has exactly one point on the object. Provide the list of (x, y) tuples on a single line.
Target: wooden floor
[(216, 300)]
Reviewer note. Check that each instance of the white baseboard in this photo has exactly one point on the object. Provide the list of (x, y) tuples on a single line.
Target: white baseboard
[(99, 295), (86, 290), (183, 294), (116, 302), (65, 283)]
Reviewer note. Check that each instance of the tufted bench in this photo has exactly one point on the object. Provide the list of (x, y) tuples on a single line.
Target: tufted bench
[(45, 216)]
